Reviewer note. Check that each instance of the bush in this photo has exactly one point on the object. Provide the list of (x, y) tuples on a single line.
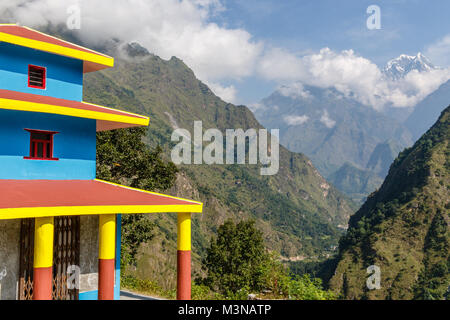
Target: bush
[(305, 288), (145, 286), (201, 292)]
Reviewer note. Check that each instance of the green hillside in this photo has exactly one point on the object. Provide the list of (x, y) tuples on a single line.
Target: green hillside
[(300, 214), (403, 228)]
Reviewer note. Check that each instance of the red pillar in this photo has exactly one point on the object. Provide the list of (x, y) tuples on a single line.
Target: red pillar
[(184, 275), (184, 257), (106, 255), (106, 279), (42, 283)]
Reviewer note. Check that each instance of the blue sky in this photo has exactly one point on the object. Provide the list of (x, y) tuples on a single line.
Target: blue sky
[(303, 26)]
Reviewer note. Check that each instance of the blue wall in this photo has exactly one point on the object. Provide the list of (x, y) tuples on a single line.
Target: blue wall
[(64, 75), (74, 145), (118, 249)]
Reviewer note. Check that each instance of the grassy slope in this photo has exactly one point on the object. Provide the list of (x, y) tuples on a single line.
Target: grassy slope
[(404, 227), (297, 209)]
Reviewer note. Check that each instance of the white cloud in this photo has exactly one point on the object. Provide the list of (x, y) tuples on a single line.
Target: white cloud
[(439, 52), (326, 120), (295, 90), (281, 65), (295, 120), (227, 94), (256, 107), (261, 108), (345, 71), (350, 74), (165, 27), (415, 87)]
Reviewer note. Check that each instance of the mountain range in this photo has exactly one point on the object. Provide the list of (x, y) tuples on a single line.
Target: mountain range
[(351, 144), (333, 130), (399, 67)]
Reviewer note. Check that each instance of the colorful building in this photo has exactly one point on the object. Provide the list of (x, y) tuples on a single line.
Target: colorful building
[(56, 219)]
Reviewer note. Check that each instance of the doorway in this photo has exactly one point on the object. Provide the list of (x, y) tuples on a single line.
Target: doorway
[(66, 252)]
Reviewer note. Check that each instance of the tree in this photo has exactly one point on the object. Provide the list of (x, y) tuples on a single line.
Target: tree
[(123, 157), (238, 263), (235, 258)]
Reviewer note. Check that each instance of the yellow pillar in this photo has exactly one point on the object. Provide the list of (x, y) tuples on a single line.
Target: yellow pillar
[(106, 256), (43, 258), (184, 257)]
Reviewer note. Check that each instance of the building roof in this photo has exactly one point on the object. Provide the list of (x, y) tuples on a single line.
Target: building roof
[(27, 37), (46, 198), (107, 118)]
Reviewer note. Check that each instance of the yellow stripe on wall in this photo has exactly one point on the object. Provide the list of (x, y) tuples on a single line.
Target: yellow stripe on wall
[(107, 236), (184, 231), (43, 242)]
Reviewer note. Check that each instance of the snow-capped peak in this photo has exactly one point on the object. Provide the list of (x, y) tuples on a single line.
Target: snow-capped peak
[(399, 67)]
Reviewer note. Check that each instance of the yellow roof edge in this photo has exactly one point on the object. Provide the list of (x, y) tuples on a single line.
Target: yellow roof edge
[(128, 112), (10, 104), (38, 212), (92, 56), (150, 192)]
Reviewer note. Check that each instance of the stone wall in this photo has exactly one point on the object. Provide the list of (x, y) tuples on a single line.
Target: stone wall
[(9, 258), (88, 253)]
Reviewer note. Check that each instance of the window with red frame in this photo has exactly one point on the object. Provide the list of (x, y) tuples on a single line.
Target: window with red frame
[(41, 145), (36, 77)]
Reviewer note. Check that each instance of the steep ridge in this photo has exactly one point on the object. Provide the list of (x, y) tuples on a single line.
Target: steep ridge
[(403, 228)]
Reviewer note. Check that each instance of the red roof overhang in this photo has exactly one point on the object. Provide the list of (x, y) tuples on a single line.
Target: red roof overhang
[(43, 198), (107, 118), (27, 37)]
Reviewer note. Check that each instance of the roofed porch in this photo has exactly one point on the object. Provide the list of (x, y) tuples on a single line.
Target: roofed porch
[(43, 200)]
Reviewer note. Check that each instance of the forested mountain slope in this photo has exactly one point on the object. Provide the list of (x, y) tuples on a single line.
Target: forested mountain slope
[(403, 228)]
